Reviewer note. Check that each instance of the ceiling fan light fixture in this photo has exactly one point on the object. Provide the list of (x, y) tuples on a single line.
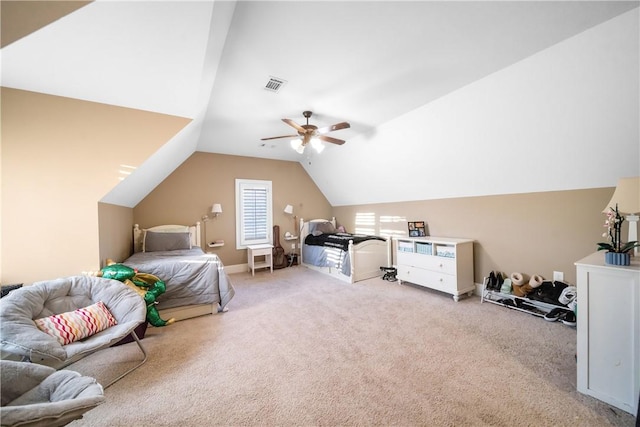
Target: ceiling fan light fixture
[(317, 145), (296, 144), (311, 134)]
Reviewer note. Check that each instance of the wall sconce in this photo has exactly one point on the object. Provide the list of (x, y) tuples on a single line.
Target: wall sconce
[(216, 210), (627, 198)]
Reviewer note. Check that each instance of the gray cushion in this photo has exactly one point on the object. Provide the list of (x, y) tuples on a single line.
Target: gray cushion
[(154, 242), (19, 334)]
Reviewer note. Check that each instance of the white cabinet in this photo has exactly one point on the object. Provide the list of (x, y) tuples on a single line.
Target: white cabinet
[(440, 263), (608, 335)]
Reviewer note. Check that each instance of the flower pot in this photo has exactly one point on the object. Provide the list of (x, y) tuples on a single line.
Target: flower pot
[(616, 258)]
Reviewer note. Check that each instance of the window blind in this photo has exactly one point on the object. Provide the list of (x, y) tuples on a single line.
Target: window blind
[(254, 214)]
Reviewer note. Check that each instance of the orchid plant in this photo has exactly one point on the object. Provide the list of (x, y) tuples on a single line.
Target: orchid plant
[(613, 223)]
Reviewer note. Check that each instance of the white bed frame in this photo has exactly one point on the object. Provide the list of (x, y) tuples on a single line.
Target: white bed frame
[(188, 311), (366, 257)]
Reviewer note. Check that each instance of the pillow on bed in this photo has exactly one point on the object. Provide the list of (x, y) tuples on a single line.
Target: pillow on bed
[(325, 227), (154, 241), (78, 324)]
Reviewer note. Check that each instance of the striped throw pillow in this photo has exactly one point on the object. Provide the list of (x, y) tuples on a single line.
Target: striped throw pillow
[(78, 324)]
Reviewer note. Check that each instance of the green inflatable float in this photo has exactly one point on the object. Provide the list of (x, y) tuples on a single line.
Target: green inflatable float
[(146, 285)]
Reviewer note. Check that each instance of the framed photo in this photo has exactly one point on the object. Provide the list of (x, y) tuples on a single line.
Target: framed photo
[(417, 229)]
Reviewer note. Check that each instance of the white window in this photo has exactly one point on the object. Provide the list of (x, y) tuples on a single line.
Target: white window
[(253, 212)]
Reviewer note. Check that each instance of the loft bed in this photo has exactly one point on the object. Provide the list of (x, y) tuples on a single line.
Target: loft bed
[(196, 282), (347, 257)]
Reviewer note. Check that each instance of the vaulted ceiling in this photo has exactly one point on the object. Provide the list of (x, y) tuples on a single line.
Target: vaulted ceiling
[(367, 63)]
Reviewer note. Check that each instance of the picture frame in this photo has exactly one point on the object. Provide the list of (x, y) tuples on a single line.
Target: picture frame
[(417, 229)]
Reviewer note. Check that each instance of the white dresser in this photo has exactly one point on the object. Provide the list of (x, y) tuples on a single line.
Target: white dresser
[(441, 263), (608, 334)]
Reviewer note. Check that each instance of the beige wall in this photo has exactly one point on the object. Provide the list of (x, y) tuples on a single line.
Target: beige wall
[(203, 179), (115, 225), (60, 156), (20, 18), (534, 233)]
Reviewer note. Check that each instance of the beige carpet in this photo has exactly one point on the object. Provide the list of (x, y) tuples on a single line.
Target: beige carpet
[(300, 348)]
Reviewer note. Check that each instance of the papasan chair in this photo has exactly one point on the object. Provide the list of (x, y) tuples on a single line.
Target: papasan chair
[(57, 322), (36, 395)]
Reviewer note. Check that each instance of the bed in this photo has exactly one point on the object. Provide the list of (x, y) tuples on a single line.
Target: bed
[(197, 283), (348, 257)]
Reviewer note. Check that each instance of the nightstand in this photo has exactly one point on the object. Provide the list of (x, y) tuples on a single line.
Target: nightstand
[(266, 251)]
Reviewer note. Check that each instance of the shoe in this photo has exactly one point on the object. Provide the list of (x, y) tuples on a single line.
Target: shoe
[(568, 295), (569, 318), (491, 281), (505, 288), (499, 281), (555, 314)]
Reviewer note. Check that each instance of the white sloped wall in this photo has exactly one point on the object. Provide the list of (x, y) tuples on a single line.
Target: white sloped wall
[(565, 118)]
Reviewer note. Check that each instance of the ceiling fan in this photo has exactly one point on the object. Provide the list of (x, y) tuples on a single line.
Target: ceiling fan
[(311, 134)]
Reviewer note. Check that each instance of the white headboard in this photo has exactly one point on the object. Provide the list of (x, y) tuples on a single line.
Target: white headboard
[(194, 231)]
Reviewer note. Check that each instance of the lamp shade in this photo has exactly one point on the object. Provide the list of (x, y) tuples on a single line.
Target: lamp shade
[(626, 196), (288, 209), (297, 145), (317, 144), (216, 208)]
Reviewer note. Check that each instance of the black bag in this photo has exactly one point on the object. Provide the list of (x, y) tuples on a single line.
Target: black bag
[(548, 292)]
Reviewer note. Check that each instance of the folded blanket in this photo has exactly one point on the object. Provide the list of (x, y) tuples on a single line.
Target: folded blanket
[(338, 240)]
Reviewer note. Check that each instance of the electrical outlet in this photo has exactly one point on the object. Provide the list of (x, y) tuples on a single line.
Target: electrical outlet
[(558, 275), (293, 246)]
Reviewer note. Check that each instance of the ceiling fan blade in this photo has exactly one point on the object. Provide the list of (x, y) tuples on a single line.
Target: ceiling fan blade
[(294, 125), (337, 126), (330, 139), (277, 137)]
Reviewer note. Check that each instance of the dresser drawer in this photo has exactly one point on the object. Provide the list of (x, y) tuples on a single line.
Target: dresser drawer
[(428, 262), (263, 251), (427, 278)]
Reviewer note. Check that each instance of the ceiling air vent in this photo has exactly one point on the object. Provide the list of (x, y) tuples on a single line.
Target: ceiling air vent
[(274, 84)]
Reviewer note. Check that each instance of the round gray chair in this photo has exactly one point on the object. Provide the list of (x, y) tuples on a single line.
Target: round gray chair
[(20, 337), (36, 395)]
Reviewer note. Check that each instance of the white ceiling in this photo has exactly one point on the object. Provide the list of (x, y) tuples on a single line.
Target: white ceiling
[(119, 53), (368, 62), (362, 62)]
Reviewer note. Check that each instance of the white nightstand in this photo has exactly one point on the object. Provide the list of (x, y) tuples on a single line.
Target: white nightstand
[(254, 251)]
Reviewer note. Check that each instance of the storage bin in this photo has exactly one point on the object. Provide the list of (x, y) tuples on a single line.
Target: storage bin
[(405, 246), (446, 251), (424, 248)]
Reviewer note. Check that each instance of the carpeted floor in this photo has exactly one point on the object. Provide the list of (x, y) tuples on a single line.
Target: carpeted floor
[(298, 348)]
